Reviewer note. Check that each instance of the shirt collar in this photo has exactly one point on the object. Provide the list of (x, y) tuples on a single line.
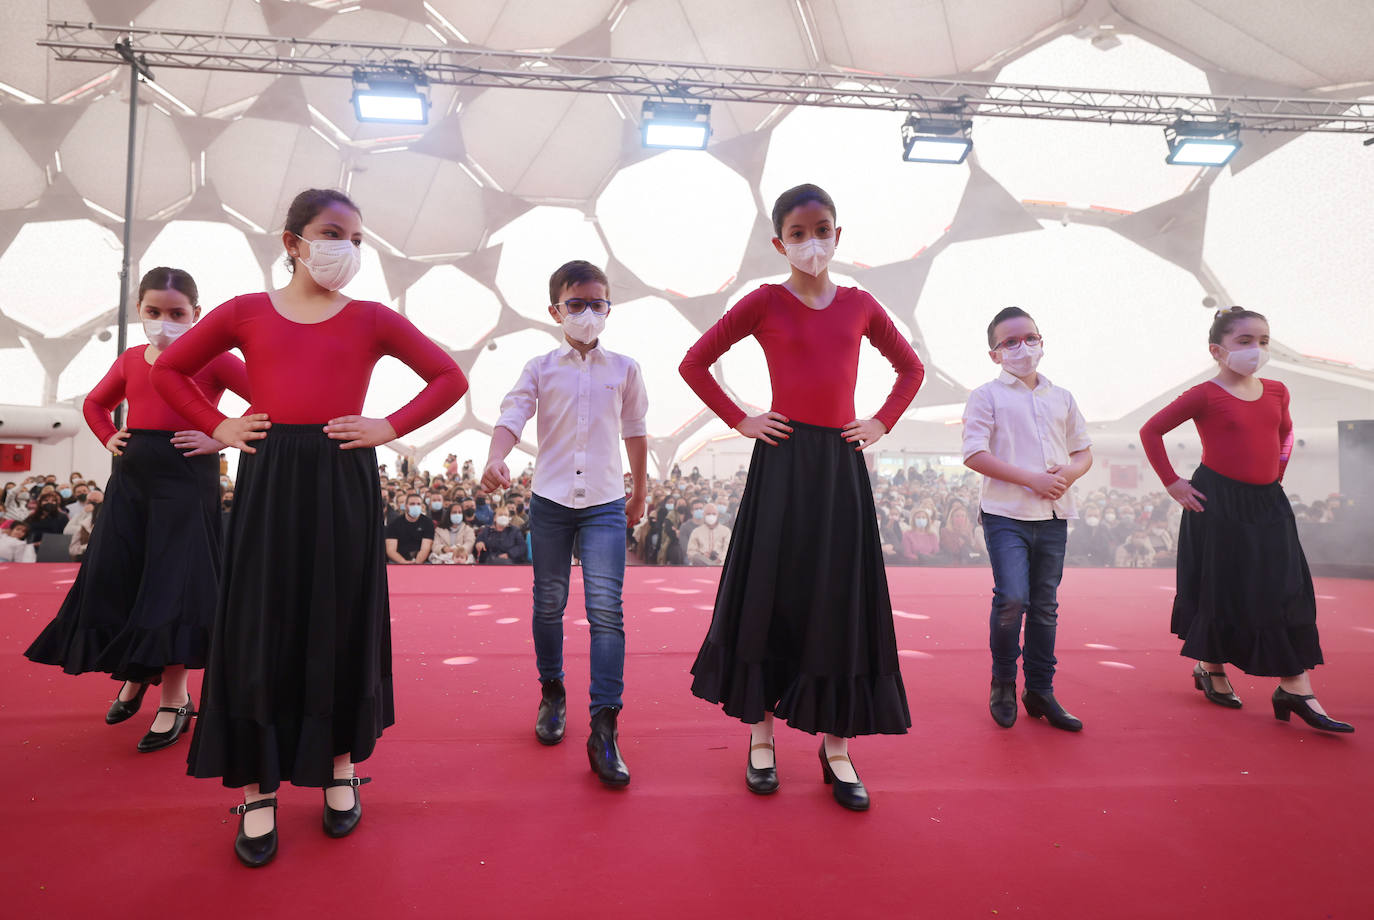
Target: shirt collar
[(565, 349), (1012, 380)]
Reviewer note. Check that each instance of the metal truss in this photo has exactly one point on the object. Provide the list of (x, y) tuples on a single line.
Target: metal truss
[(478, 67)]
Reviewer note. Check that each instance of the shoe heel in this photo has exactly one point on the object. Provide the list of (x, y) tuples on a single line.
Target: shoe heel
[(1197, 682), (1281, 712)]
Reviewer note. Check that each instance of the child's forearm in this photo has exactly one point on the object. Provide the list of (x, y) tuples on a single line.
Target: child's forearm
[(984, 462), (503, 441), (638, 451), (1080, 461)]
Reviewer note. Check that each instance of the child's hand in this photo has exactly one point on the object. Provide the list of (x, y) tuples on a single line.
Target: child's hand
[(1048, 485), (761, 426), (864, 433), (117, 441), (359, 431), (1183, 492), (496, 475), (237, 432), (196, 443)]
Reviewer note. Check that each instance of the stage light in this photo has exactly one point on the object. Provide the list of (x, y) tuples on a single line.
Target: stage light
[(936, 140), (394, 94), (675, 125), (1202, 143)]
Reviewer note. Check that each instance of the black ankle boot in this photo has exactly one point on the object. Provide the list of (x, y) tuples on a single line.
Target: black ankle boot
[(1044, 704), (1002, 702), (553, 712), (604, 752)]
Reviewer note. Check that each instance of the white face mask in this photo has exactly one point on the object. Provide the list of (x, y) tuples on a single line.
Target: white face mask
[(711, 520), (332, 263), (1091, 522), (502, 520), (1023, 359), (162, 332), (1246, 361), (585, 327), (921, 522), (413, 510), (811, 256)]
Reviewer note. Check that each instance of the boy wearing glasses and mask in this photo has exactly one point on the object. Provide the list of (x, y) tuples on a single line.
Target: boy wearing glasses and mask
[(1030, 442), (587, 399)]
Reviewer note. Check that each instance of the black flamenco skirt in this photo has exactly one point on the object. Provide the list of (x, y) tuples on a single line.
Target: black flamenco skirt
[(1244, 590), (802, 625), (300, 658), (145, 594)]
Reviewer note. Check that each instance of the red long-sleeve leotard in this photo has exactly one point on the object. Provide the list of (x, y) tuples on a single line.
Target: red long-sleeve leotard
[(308, 373), (1241, 440), (813, 356), (129, 378)]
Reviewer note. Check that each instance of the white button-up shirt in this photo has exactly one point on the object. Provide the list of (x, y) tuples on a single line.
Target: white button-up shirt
[(1032, 429), (585, 407)]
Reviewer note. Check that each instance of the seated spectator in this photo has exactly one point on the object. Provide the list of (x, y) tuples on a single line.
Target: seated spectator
[(410, 537), (708, 543), (16, 502), (82, 523), (15, 545), (435, 505), (1090, 540), (1163, 542), (891, 529), (1136, 552), (921, 544), (454, 539), (959, 543), (500, 543), (49, 516), (484, 513)]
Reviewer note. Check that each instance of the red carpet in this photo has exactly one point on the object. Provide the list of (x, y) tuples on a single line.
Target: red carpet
[(1165, 806)]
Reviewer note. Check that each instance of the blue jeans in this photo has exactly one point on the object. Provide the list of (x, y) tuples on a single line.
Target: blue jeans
[(1027, 566), (600, 535)]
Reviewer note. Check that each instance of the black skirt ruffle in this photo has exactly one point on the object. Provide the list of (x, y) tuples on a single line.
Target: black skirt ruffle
[(1245, 593), (145, 595), (300, 661), (803, 622)]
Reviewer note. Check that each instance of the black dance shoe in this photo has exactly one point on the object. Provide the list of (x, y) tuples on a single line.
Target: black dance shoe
[(603, 750), (256, 851), (120, 710), (761, 780), (1286, 703), (156, 741), (851, 795), (341, 823), (1202, 679), (1002, 702), (553, 712), (1044, 704)]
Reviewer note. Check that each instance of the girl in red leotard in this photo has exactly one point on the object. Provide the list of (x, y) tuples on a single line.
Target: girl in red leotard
[(298, 687), (1244, 592), (802, 627), (143, 603)]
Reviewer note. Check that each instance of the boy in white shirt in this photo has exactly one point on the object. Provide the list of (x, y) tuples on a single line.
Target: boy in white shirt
[(587, 399), (1030, 442)]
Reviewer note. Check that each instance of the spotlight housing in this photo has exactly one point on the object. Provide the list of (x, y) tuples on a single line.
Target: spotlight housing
[(1202, 142), (395, 94), (936, 140), (675, 125)]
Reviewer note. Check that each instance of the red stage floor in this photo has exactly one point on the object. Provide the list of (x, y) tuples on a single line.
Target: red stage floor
[(1165, 806)]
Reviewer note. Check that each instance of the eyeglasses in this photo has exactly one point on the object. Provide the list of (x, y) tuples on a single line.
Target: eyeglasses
[(1030, 339), (577, 305)]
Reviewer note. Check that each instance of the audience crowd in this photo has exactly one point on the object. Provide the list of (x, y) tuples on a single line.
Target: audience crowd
[(925, 517)]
